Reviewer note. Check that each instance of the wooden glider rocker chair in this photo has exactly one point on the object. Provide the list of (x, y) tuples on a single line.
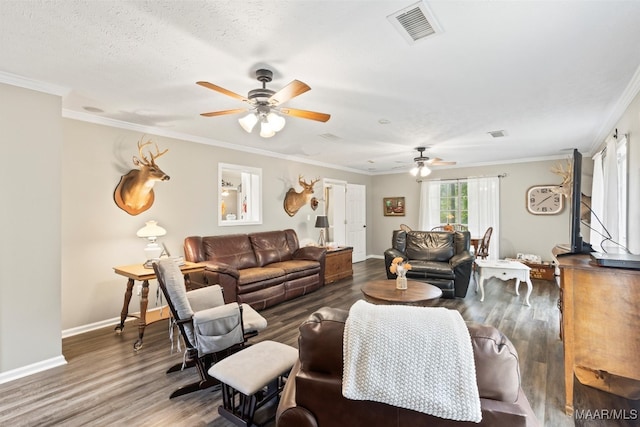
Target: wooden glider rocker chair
[(211, 329)]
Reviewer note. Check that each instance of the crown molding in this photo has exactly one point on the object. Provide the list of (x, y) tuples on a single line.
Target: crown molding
[(86, 117), (37, 85), (628, 95)]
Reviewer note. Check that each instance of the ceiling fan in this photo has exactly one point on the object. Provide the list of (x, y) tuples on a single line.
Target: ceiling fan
[(421, 167), (265, 103)]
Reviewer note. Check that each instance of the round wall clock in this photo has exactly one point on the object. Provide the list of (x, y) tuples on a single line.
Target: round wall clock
[(541, 200)]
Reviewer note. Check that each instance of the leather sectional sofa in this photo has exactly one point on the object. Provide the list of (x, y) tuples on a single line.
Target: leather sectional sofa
[(312, 396), (441, 258), (260, 269)]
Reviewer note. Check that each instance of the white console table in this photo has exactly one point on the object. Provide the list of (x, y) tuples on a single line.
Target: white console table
[(504, 270)]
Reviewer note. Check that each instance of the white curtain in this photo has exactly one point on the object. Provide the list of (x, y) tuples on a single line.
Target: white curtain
[(597, 203), (608, 197), (429, 212), (484, 208)]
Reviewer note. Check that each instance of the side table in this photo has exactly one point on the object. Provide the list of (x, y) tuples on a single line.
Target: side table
[(338, 264), (504, 270), (139, 272)]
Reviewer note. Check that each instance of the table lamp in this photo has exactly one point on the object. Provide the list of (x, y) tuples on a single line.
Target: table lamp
[(322, 222), (151, 231)]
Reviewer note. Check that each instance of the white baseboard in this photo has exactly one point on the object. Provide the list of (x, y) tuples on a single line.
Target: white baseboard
[(98, 325), (375, 256), (32, 369), (90, 327)]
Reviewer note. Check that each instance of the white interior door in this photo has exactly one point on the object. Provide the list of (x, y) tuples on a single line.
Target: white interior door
[(356, 216)]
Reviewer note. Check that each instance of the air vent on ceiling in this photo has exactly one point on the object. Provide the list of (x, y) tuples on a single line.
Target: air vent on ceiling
[(497, 133), (415, 22)]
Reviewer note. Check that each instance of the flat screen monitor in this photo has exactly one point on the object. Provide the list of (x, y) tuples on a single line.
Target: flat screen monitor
[(578, 245)]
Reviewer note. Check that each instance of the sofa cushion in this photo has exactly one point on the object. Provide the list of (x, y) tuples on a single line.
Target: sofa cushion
[(259, 274), (430, 245), (233, 249), (427, 269), (296, 266), (270, 247)]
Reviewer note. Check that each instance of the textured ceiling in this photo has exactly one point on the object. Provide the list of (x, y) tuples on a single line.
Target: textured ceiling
[(552, 74)]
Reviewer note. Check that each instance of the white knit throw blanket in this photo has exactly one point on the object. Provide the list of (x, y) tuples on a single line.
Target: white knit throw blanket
[(417, 358)]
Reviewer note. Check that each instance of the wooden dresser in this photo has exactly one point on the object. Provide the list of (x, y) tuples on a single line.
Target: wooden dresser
[(600, 324), (338, 264)]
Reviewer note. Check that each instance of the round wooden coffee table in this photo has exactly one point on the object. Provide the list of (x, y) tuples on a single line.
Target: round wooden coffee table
[(385, 292)]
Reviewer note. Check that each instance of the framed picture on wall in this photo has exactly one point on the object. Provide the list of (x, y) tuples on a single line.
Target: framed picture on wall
[(393, 206)]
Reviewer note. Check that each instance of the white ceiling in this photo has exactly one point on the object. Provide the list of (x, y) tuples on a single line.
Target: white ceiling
[(552, 74)]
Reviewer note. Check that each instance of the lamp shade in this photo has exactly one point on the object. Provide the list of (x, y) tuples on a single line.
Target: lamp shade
[(277, 122), (248, 122), (322, 221), (151, 230)]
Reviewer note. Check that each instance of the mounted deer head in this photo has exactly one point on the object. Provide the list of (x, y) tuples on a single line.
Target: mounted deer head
[(566, 187), (567, 176), (293, 201), (134, 193)]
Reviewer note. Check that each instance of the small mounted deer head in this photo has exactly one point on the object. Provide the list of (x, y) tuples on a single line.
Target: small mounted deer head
[(566, 173), (293, 200), (134, 193)]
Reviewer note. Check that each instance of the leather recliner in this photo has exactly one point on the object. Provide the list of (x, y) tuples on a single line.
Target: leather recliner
[(312, 396), (441, 258)]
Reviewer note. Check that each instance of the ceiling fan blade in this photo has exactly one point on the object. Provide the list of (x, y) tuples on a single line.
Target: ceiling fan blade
[(312, 115), (223, 112), (222, 90), (439, 162), (291, 90)]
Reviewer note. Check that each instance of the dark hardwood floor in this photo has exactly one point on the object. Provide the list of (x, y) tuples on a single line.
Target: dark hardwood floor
[(107, 383)]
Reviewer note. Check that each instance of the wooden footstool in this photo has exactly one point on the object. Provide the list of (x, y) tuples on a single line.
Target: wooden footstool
[(251, 378)]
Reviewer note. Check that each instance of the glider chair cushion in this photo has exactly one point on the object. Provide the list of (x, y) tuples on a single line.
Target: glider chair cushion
[(210, 328)]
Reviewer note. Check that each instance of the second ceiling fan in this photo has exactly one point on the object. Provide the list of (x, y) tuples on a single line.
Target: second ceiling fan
[(421, 167), (265, 103)]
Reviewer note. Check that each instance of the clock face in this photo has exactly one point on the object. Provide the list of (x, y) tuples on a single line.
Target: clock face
[(542, 201)]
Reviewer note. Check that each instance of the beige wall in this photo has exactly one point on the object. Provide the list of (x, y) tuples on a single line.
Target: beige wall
[(520, 231), (97, 235), (31, 140)]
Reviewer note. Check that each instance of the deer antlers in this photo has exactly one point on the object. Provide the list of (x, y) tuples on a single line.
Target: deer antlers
[(304, 183), (567, 175), (143, 158)]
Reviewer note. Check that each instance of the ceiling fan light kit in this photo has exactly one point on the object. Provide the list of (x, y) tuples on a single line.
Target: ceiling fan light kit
[(420, 169), (265, 103)]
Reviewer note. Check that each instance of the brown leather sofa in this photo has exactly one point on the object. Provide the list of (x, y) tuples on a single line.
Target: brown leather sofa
[(312, 396), (441, 258), (260, 269)]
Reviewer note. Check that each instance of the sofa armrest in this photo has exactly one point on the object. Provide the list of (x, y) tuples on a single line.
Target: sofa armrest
[(221, 268), (461, 258), (516, 414), (224, 275), (311, 253), (289, 414), (389, 255)]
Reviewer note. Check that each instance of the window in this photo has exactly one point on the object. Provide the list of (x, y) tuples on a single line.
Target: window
[(454, 203), (474, 202)]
